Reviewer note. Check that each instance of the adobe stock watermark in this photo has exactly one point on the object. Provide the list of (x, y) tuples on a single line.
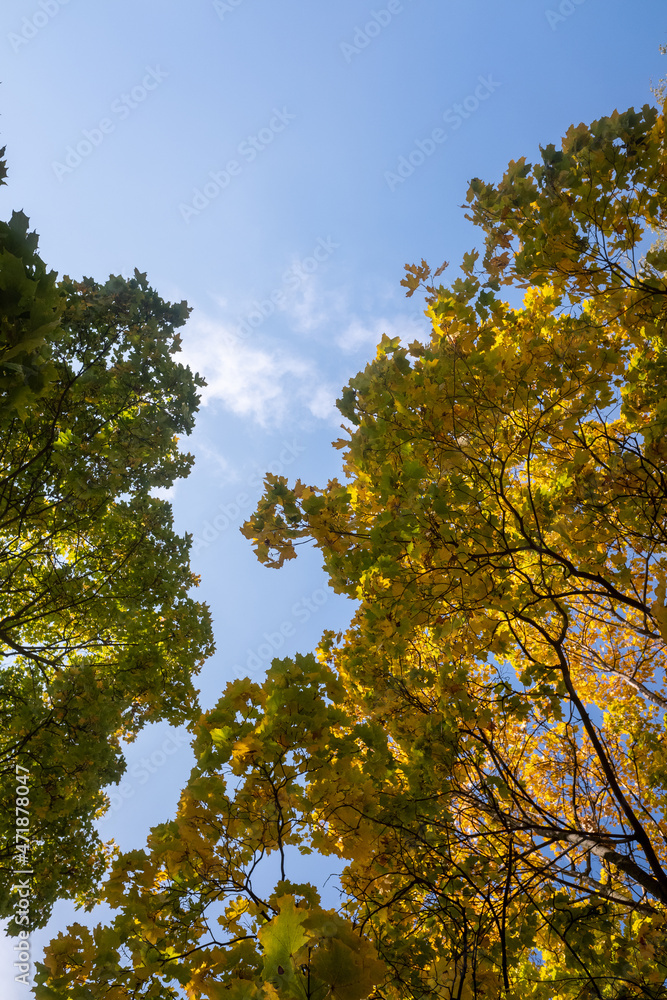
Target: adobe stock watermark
[(22, 872), (222, 7), (566, 8), (248, 150), (259, 659), (454, 116), (141, 772), (231, 514), (33, 23), (292, 278), (363, 36), (121, 108)]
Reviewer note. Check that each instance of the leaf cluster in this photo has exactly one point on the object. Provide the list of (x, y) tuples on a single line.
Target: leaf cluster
[(484, 747), (98, 633)]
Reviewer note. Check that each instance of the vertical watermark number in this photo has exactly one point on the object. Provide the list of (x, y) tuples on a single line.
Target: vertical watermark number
[(21, 875)]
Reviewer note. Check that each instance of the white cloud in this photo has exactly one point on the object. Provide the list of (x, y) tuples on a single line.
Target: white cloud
[(323, 403), (255, 382), (360, 335), (267, 382), (165, 492), (311, 307), (220, 300), (220, 467)]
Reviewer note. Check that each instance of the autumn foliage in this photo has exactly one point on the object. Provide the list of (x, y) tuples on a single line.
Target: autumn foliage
[(483, 751)]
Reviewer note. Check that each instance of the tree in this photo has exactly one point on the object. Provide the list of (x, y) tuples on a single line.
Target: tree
[(97, 632), (29, 309), (506, 505), (485, 745), (195, 913)]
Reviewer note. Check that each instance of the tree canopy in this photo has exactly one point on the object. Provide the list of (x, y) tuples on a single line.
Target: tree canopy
[(98, 634), (484, 747)]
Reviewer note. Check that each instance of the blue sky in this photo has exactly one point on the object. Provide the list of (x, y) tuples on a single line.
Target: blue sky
[(276, 164)]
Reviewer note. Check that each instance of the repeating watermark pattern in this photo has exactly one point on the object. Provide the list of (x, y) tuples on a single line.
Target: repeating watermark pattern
[(121, 108), (565, 9), (141, 772), (222, 7), (454, 116), (230, 514), (248, 150), (32, 25), (302, 611), (292, 278), (21, 875)]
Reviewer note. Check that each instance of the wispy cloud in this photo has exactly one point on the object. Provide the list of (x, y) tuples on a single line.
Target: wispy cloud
[(220, 467), (261, 383), (323, 403), (255, 376), (299, 296), (360, 335), (309, 309)]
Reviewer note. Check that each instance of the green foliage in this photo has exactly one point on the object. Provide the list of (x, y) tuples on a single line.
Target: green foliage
[(190, 912), (97, 632), (30, 310), (485, 745), (504, 513)]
